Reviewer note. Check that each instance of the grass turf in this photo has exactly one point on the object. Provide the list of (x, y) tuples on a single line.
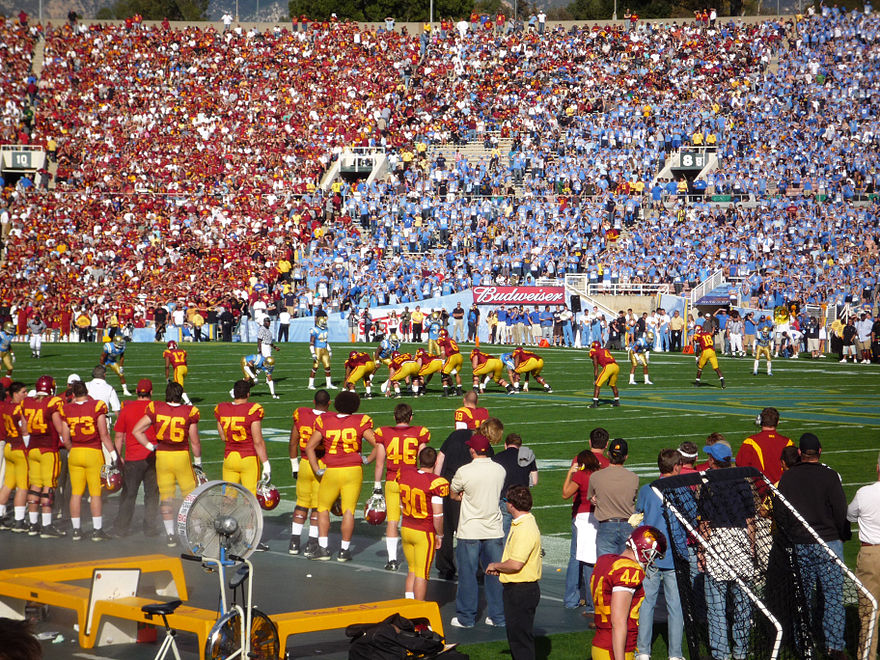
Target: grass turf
[(836, 402)]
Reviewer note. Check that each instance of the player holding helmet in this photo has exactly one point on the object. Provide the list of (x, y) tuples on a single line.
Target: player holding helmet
[(175, 366), (763, 342), (484, 364), (114, 358), (43, 416), (7, 358), (85, 431), (319, 347), (306, 481), (605, 370), (421, 513), (177, 430), (359, 366), (252, 365), (341, 433), (618, 593), (397, 447), (638, 352), (452, 361), (13, 428)]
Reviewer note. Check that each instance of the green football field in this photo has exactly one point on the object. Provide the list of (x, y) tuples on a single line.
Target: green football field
[(836, 402)]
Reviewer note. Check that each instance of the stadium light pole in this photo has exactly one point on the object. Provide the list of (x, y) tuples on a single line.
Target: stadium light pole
[(236, 11), (431, 14), (614, 15)]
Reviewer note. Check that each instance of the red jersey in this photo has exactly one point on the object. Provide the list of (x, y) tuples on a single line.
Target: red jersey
[(762, 451), (472, 417), (603, 356), (129, 416), (398, 360), (448, 346), (704, 341), (343, 437), (82, 419), (172, 422), (522, 356), (236, 420), (10, 416), (38, 412), (304, 421), (416, 490), (357, 360), (481, 357), (613, 572), (177, 357), (402, 445)]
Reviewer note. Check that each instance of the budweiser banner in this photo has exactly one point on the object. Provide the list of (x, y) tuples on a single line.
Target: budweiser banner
[(519, 295)]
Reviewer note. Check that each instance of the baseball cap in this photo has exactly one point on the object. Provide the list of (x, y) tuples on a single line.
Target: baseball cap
[(73, 378), (809, 442), (618, 447), (144, 386), (479, 443), (719, 451)]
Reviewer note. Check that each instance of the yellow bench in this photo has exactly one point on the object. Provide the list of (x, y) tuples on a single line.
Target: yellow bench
[(331, 618)]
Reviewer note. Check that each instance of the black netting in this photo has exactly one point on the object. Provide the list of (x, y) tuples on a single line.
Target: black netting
[(750, 586)]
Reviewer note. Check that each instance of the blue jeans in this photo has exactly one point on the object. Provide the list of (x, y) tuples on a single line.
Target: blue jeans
[(653, 581), (814, 565), (567, 334), (611, 537), (717, 592), (578, 573), (469, 555), (506, 519)]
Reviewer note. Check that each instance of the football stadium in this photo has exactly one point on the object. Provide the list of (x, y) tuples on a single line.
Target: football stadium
[(312, 328)]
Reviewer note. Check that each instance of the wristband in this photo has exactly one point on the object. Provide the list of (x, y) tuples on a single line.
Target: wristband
[(197, 461), (151, 446)]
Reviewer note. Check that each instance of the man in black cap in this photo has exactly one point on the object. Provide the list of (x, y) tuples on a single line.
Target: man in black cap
[(816, 493), (613, 490)]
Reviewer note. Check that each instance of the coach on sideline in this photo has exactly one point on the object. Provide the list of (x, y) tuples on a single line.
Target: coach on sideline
[(865, 510)]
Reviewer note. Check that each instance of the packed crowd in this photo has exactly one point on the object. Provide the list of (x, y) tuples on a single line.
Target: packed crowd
[(189, 158)]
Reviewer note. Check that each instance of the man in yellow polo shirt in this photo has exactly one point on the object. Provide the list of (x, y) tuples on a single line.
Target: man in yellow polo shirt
[(519, 572)]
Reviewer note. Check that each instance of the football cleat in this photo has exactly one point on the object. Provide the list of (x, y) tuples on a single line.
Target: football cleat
[(171, 540), (293, 548), (267, 495), (594, 405), (375, 510), (344, 555), (33, 529), (111, 478), (392, 565), (321, 554), (647, 544), (172, 345), (99, 535), (51, 532), (45, 385), (311, 548), (77, 535)]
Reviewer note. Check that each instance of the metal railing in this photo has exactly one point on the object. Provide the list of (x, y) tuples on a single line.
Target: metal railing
[(716, 279)]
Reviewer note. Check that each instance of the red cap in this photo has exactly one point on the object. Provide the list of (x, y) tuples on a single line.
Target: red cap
[(145, 386), (6, 381), (479, 443)]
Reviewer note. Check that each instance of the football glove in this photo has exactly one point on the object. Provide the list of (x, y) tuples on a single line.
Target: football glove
[(267, 472)]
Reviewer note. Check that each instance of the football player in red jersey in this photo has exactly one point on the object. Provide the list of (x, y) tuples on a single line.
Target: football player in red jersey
[(488, 365), (85, 432), (397, 446), (470, 416), (428, 366), (527, 363), (705, 343), (421, 512), (359, 366), (306, 481), (401, 368), (618, 593), (240, 423), (605, 370), (175, 367), (177, 430), (341, 434), (43, 415), (13, 428), (452, 361)]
